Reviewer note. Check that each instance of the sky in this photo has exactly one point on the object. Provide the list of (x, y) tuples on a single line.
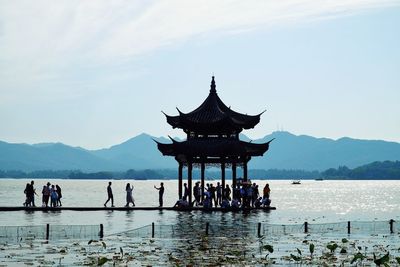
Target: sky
[(96, 73)]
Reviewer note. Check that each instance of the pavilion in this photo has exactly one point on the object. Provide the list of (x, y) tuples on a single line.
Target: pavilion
[(212, 140)]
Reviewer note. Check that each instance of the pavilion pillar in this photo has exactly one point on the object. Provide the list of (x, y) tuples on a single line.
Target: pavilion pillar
[(190, 168), (233, 176), (223, 179), (203, 168), (180, 169), (245, 170)]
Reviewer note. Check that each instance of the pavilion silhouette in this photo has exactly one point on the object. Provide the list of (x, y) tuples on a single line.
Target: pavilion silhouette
[(212, 140)]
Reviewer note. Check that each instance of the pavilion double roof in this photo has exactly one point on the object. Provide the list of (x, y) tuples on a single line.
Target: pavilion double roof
[(213, 117), (213, 147)]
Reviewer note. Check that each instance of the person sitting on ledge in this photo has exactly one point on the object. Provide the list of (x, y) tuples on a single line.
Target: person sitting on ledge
[(207, 203), (266, 202), (181, 203), (258, 202), (235, 203), (225, 203)]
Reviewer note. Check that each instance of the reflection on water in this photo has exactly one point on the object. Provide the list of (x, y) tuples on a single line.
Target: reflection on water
[(29, 217), (129, 219)]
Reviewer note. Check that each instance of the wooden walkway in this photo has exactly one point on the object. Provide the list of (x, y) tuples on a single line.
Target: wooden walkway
[(128, 209)]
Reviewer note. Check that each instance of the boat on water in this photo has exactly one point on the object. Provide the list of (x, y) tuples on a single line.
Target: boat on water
[(319, 179), (296, 182)]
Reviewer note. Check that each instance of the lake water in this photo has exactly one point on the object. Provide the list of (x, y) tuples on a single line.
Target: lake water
[(312, 201)]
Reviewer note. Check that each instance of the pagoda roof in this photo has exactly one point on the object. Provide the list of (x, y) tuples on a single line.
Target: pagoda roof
[(212, 147), (213, 116)]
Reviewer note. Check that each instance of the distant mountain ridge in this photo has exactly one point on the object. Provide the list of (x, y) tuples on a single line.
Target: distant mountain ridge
[(287, 151)]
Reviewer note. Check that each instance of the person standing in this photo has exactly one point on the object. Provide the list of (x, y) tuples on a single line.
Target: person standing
[(185, 192), (46, 195), (110, 195), (31, 194), (27, 198), (129, 197), (218, 189), (196, 193), (160, 193), (255, 194), (53, 196), (213, 195), (228, 192), (59, 196), (266, 191)]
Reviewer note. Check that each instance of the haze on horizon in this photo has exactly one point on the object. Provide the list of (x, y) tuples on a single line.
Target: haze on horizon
[(95, 73)]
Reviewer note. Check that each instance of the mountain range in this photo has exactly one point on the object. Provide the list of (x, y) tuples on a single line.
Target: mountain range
[(287, 151)]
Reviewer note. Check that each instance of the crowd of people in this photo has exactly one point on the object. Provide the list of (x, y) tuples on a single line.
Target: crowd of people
[(50, 193), (244, 195)]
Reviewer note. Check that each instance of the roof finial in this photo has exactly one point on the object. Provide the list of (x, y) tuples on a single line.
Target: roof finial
[(213, 90)]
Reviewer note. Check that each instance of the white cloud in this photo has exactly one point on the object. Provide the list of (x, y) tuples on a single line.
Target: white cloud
[(43, 41)]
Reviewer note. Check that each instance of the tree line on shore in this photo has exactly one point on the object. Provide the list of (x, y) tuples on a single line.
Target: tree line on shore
[(375, 170)]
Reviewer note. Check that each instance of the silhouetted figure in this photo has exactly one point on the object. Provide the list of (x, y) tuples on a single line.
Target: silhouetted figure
[(197, 193), (266, 201), (228, 192), (110, 195), (53, 196), (46, 194), (243, 195), (255, 194), (207, 203), (236, 192), (235, 203), (218, 190), (160, 193), (213, 195), (58, 189), (26, 192), (181, 203), (225, 204), (249, 195), (266, 191), (129, 197), (30, 195), (185, 192), (258, 202)]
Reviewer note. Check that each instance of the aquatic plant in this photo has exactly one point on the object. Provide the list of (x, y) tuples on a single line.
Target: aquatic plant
[(268, 248), (122, 252), (357, 257), (343, 249), (384, 260), (101, 261), (312, 249), (332, 246), (296, 257)]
